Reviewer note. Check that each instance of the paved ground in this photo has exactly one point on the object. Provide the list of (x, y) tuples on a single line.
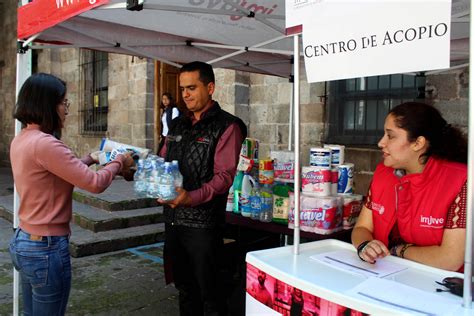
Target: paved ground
[(129, 282)]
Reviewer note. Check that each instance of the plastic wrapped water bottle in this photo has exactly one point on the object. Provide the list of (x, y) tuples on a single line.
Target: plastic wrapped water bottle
[(166, 184), (255, 202), (178, 177), (153, 179), (266, 213), (140, 184)]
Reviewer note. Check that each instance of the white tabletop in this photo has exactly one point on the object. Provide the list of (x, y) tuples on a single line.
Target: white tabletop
[(333, 284)]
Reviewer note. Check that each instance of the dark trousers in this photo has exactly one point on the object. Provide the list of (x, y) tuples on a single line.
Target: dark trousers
[(194, 254)]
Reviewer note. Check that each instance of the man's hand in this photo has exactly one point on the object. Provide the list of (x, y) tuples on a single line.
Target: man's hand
[(183, 199), (128, 167)]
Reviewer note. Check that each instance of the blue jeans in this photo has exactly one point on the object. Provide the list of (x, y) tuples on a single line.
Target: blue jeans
[(45, 270)]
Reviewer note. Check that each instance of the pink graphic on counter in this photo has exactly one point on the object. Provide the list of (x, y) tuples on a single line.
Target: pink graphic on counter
[(288, 300)]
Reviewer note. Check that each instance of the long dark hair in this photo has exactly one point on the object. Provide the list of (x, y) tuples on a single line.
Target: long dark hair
[(38, 102), (170, 97), (444, 141)]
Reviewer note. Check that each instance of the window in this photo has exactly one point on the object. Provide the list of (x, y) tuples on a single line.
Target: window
[(94, 82), (357, 107)]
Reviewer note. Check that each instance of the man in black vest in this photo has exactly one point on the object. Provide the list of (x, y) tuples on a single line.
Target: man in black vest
[(206, 144)]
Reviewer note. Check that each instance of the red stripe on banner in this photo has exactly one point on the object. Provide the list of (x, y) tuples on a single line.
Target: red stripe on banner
[(298, 29), (39, 15)]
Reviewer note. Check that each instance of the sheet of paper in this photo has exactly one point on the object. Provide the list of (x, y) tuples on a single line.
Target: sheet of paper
[(349, 261), (403, 298)]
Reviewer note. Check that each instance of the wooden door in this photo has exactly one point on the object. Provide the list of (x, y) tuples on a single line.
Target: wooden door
[(167, 80)]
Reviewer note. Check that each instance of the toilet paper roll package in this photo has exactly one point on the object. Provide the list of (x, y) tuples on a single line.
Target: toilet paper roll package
[(320, 215), (352, 208)]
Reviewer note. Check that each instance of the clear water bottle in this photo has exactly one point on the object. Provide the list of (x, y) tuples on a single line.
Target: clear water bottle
[(266, 213), (140, 184), (166, 184), (154, 175), (178, 177), (255, 202)]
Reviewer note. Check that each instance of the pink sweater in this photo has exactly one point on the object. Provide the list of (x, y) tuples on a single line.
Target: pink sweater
[(45, 172)]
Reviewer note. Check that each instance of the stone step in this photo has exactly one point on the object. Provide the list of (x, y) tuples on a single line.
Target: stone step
[(85, 242), (119, 196), (98, 220)]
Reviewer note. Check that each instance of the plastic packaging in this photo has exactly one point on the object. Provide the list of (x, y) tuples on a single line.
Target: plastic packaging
[(108, 145), (248, 182), (237, 187), (140, 185), (266, 212), (255, 202), (281, 203), (166, 184)]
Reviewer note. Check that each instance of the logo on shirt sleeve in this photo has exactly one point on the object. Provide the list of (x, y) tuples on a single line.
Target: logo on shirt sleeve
[(376, 207)]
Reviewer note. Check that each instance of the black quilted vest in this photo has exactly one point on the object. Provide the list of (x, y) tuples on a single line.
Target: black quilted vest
[(194, 147)]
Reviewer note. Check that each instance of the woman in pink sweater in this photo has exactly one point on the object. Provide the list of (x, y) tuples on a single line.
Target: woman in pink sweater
[(45, 172)]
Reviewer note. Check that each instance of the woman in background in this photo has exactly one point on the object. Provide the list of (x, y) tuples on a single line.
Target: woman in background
[(170, 112), (45, 172), (416, 204)]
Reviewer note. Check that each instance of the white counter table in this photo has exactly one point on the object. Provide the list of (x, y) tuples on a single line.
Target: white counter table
[(332, 290)]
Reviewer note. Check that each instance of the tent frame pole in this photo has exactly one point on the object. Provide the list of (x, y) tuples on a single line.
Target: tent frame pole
[(23, 71), (296, 97), (468, 255)]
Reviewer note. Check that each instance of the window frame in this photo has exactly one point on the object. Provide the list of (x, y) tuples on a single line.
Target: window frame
[(339, 96), (93, 114)]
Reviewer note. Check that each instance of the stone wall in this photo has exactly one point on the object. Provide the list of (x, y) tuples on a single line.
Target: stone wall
[(269, 115), (270, 99), (130, 95), (7, 79)]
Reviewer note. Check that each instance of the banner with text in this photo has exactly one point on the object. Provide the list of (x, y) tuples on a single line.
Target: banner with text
[(349, 39), (39, 15)]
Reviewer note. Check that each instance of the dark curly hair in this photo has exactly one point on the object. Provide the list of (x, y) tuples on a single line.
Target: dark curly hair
[(444, 141)]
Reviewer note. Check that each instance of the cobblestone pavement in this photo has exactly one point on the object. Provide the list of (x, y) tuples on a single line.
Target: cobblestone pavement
[(128, 282)]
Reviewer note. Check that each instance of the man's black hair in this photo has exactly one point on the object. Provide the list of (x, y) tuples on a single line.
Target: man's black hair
[(206, 73)]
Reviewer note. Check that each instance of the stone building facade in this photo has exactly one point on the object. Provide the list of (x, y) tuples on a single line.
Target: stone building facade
[(261, 101)]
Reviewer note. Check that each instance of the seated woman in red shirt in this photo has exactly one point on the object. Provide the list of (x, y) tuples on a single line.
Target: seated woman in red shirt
[(416, 204)]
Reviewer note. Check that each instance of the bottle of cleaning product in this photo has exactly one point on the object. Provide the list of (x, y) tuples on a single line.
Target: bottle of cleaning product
[(230, 200), (237, 187), (248, 183)]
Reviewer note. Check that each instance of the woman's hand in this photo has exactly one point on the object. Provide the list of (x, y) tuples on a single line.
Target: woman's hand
[(374, 250), (95, 156)]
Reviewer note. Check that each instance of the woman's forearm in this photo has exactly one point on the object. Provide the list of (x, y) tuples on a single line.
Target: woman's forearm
[(359, 235), (434, 256)]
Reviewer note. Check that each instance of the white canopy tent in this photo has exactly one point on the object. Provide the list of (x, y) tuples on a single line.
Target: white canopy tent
[(246, 36)]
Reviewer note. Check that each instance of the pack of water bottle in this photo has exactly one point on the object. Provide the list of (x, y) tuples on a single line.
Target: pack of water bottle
[(157, 179)]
